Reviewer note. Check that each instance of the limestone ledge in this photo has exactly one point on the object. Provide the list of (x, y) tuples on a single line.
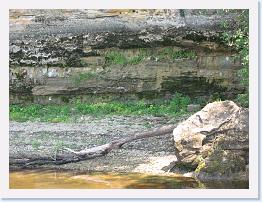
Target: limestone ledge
[(65, 52)]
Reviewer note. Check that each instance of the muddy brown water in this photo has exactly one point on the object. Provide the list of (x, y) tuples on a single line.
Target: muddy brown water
[(57, 179)]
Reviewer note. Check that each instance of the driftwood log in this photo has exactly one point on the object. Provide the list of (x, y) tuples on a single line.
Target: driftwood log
[(71, 156)]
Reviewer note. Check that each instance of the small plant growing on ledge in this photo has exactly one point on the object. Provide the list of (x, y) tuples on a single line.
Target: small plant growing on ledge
[(184, 54), (171, 54), (136, 60), (115, 57)]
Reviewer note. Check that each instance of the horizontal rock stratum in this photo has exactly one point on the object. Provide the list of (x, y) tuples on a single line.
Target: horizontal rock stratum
[(56, 55)]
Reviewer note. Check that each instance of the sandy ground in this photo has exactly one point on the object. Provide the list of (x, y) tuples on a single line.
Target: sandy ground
[(152, 155)]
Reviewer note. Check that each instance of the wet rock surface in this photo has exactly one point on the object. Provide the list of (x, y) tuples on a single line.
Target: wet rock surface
[(214, 142)]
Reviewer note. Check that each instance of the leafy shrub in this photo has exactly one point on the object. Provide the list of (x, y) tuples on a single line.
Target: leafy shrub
[(239, 41), (242, 99), (179, 103)]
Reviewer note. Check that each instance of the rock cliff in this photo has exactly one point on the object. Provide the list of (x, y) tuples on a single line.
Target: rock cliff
[(56, 55)]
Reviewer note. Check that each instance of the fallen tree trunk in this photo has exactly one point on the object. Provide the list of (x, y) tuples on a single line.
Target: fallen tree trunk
[(76, 156)]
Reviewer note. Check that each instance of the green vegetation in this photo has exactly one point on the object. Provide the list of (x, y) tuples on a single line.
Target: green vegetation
[(201, 164), (238, 40), (171, 54), (242, 99), (66, 113), (136, 59), (116, 57), (36, 112), (35, 144)]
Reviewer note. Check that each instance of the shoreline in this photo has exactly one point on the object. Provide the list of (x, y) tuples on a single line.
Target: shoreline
[(154, 156)]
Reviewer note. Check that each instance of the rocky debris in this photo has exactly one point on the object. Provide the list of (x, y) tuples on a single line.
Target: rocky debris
[(214, 142)]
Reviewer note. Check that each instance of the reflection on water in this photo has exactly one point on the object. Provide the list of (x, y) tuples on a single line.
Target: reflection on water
[(50, 179)]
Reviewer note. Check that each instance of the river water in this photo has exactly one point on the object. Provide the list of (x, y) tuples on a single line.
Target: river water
[(57, 179)]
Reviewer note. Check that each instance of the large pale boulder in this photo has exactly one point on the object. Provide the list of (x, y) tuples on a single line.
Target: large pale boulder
[(214, 142)]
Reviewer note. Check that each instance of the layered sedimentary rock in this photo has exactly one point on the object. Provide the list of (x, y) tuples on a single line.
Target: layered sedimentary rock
[(110, 54)]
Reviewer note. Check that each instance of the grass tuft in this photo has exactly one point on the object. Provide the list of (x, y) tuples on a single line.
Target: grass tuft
[(118, 58)]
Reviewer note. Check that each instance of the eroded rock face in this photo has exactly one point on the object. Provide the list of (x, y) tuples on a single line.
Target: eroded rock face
[(65, 53), (214, 141)]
